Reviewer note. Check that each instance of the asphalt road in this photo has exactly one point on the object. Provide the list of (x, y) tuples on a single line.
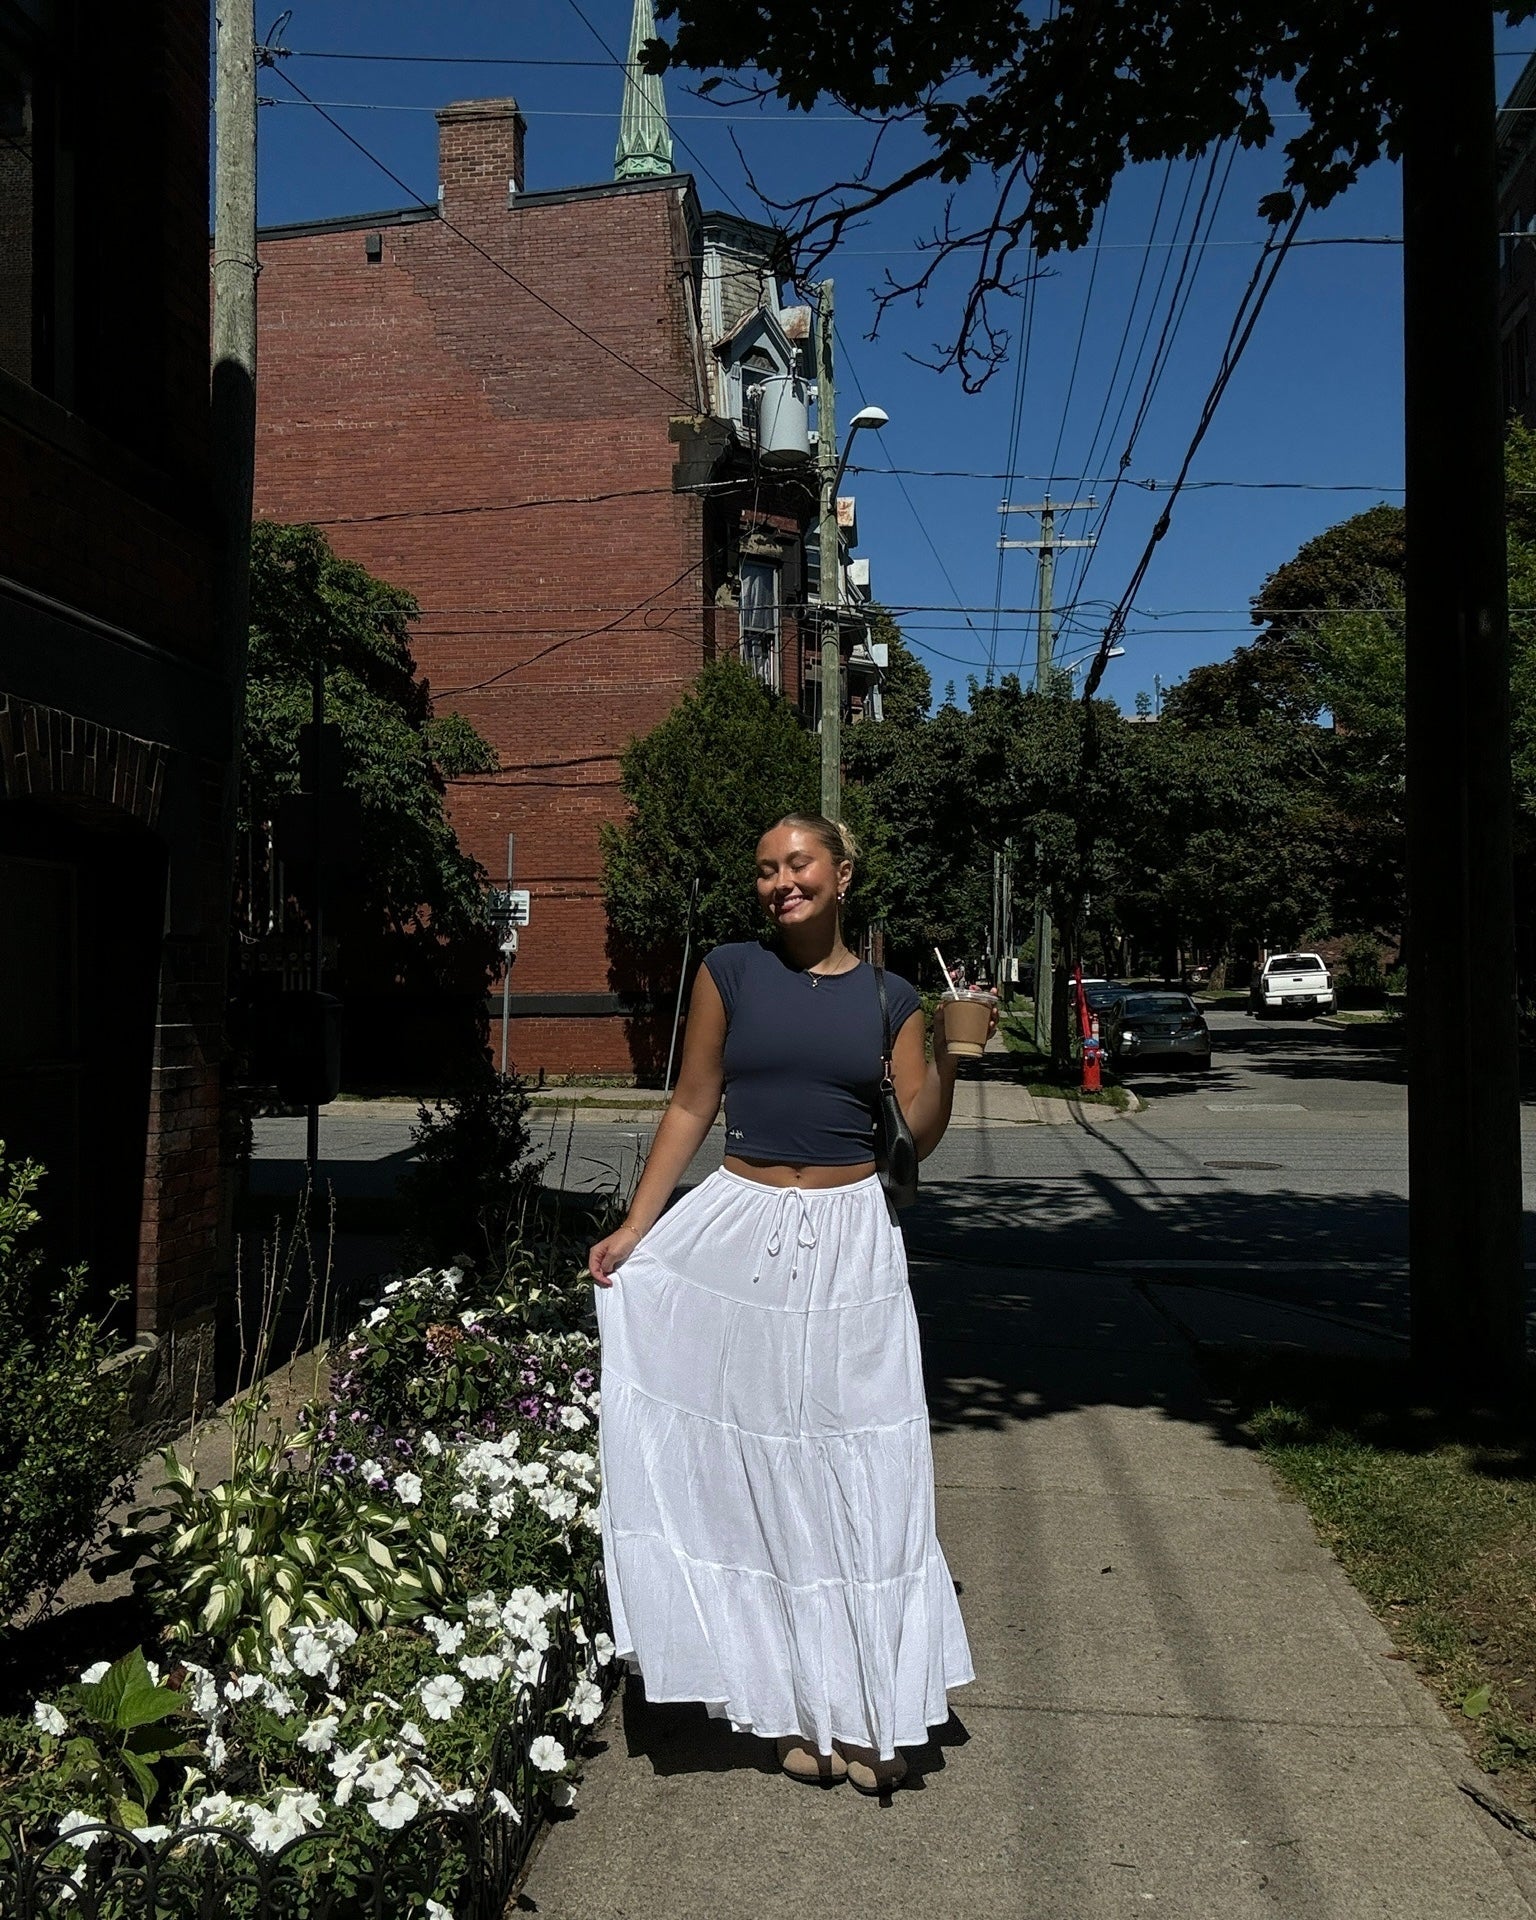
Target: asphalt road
[(1282, 1172)]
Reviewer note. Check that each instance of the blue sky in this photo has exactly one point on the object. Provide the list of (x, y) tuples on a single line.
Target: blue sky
[(1316, 403)]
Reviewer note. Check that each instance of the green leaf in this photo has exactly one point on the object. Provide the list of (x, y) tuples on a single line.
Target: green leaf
[(129, 1813), (141, 1775), (1477, 1702)]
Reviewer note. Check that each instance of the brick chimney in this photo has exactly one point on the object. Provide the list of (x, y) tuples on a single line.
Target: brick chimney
[(479, 153)]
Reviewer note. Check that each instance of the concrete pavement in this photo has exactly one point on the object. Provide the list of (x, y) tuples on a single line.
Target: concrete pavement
[(1182, 1707)]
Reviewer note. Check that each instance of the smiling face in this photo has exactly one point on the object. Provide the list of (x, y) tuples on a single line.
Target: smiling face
[(798, 881)]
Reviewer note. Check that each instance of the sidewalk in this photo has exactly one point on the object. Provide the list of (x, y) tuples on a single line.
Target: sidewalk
[(1182, 1707)]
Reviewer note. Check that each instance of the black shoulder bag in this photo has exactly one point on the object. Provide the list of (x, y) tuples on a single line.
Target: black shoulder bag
[(898, 1150)]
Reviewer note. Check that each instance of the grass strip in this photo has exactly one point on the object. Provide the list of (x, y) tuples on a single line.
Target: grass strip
[(1432, 1513), (1040, 1077)]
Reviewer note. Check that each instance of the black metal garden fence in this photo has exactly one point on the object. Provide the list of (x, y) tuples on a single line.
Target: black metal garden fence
[(467, 1860)]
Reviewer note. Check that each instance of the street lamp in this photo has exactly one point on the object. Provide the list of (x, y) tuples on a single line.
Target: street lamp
[(865, 417), (831, 587)]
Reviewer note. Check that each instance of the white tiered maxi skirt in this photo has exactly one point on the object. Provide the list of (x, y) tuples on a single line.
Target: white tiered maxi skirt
[(767, 1503)]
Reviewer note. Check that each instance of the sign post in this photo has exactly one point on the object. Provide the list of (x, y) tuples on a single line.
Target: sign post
[(507, 910)]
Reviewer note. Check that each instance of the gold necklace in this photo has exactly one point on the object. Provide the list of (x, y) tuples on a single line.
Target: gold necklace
[(817, 978)]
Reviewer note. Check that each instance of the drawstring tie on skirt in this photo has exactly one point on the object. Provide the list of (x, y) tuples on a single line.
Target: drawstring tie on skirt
[(804, 1226)]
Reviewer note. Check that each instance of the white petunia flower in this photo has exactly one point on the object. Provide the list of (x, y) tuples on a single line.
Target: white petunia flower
[(97, 1672), (527, 1667), (503, 1805), (430, 1445), (320, 1735), (279, 1700), (411, 1735), (482, 1666), (71, 1825), (484, 1610), (49, 1719), (393, 1288), (447, 1635), (441, 1696), (373, 1473), (408, 1489), (563, 1794), (381, 1777), (573, 1418), (437, 1911), (547, 1754), (397, 1811), (243, 1686), (216, 1752), (150, 1836), (377, 1317), (586, 1702), (273, 1827), (603, 1648)]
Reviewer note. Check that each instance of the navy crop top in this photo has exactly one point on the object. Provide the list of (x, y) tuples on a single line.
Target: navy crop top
[(802, 1056)]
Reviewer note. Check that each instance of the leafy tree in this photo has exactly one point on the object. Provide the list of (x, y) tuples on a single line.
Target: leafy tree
[(1047, 107), (699, 789), (411, 911)]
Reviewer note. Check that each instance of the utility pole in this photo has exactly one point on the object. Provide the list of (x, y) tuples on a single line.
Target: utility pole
[(1464, 1209), (1046, 546), (830, 590), (1157, 696), (233, 390)]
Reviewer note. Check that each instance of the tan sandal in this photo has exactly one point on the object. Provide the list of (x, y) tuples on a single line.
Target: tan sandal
[(867, 1773), (802, 1762)]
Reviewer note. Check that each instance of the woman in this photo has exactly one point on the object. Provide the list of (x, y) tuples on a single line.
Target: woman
[(767, 1474)]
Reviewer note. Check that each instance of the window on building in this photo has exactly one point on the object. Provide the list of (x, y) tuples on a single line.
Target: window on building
[(759, 610)]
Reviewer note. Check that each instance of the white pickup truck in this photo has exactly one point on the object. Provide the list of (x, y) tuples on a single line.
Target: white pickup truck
[(1292, 983)]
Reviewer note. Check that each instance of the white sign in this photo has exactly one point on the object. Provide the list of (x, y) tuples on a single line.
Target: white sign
[(509, 906)]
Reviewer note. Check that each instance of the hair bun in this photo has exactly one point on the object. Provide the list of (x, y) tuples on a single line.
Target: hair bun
[(846, 834)]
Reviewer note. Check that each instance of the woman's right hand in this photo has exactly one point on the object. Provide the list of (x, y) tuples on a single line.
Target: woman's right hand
[(605, 1259)]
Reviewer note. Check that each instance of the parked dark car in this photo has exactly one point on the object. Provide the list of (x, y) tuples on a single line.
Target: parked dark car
[(1164, 1029), (1103, 993)]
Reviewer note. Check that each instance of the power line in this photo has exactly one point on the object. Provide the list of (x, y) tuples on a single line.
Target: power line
[(583, 113), (1015, 431), (1189, 272), (922, 526), (515, 506), (569, 639), (1246, 319), (1131, 480), (549, 306)]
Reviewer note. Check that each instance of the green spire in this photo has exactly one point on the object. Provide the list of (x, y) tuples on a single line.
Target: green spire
[(645, 139)]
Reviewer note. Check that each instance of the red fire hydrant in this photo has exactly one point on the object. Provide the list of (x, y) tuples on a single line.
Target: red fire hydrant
[(1091, 1082)]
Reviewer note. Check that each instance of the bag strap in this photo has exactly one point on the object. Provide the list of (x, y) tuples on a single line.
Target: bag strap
[(885, 1020)]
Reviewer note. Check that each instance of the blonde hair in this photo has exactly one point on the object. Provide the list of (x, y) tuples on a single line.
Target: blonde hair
[(835, 835)]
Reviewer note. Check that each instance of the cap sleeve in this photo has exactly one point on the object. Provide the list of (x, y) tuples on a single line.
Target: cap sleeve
[(726, 966), (904, 1000)]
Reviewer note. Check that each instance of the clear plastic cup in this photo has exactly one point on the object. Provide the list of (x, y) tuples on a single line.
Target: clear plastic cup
[(967, 1016)]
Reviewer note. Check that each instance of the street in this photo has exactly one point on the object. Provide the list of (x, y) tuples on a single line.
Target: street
[(1282, 1173)]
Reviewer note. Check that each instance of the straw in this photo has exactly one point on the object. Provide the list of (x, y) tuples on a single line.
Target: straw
[(949, 982)]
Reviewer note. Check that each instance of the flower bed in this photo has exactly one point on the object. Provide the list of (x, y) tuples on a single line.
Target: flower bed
[(382, 1643)]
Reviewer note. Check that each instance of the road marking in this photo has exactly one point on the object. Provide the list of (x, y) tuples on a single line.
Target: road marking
[(1266, 1106)]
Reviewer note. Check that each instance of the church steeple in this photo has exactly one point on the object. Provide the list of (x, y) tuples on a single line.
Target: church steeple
[(645, 139)]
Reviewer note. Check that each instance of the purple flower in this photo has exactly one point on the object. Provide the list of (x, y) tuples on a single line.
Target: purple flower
[(343, 1462), (404, 1449), (359, 1418), (584, 1379)]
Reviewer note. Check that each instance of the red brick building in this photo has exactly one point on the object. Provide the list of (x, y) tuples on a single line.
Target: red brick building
[(115, 713), (542, 413)]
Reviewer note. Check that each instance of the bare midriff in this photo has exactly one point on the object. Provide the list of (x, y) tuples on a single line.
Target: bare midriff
[(772, 1173)]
